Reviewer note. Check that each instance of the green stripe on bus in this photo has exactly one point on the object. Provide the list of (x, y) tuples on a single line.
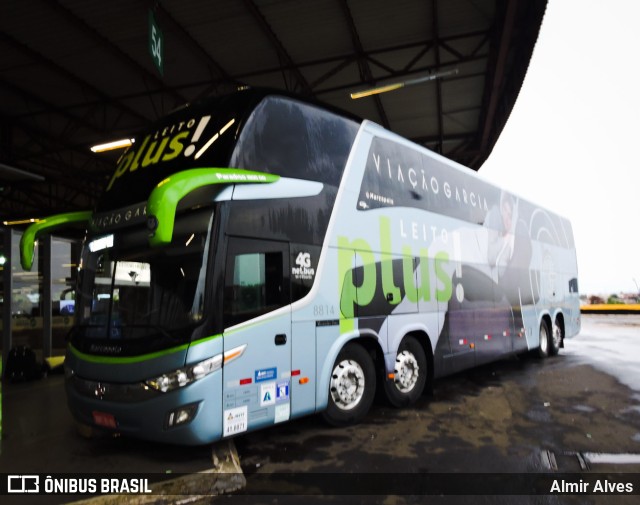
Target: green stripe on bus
[(123, 360), (163, 201), (29, 237)]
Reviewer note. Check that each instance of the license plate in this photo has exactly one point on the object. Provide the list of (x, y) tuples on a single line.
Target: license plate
[(105, 420)]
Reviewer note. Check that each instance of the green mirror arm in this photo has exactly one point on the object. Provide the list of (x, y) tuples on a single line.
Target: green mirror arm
[(164, 199), (29, 237)]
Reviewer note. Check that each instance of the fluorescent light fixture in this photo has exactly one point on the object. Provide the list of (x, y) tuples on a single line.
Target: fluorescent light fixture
[(20, 221), (109, 146), (101, 243), (377, 90), (397, 85), (18, 174)]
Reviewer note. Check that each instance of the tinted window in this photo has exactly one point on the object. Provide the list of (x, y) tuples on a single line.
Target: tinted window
[(255, 280), (293, 139)]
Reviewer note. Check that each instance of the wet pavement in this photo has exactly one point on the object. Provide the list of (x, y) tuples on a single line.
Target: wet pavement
[(507, 417), (610, 343), (517, 416)]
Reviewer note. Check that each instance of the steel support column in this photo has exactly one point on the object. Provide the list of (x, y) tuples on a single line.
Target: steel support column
[(7, 288), (44, 252)]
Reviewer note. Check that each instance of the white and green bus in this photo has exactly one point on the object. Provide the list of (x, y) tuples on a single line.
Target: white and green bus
[(256, 258)]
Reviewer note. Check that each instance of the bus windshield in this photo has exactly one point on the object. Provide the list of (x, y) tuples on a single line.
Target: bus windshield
[(129, 290)]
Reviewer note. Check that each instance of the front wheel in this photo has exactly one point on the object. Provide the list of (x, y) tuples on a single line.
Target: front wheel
[(352, 387), (410, 374)]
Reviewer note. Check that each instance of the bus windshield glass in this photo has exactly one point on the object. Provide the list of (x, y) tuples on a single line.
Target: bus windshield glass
[(129, 290)]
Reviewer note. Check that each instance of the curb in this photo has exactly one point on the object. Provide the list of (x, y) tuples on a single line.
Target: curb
[(225, 476)]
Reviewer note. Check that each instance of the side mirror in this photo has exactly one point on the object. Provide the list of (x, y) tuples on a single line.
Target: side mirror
[(164, 199), (29, 237)]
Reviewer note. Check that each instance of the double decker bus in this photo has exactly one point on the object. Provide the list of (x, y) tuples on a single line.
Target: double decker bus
[(256, 258)]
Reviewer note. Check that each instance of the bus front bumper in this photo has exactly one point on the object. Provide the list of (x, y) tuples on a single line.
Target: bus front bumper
[(189, 415)]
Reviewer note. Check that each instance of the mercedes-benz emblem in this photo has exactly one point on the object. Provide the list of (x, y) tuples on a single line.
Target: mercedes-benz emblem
[(100, 390)]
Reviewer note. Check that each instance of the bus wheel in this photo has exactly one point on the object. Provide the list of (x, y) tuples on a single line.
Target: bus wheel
[(555, 342), (352, 386), (410, 374), (543, 349)]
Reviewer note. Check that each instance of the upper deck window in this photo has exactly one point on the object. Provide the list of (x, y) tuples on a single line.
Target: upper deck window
[(294, 139), (250, 129)]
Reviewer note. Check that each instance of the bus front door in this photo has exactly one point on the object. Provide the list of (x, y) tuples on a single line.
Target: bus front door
[(256, 387)]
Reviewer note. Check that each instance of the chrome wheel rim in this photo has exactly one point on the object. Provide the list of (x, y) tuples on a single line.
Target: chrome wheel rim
[(406, 371), (557, 336), (347, 384)]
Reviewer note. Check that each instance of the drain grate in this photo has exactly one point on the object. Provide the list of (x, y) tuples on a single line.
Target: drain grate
[(549, 460), (566, 461), (602, 458)]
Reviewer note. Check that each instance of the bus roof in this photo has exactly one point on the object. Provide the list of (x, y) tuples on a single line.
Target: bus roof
[(208, 133)]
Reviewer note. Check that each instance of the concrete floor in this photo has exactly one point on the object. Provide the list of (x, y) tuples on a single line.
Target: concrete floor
[(39, 435), (499, 418)]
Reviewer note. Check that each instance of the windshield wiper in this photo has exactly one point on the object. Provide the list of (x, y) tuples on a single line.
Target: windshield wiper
[(172, 333), (176, 333)]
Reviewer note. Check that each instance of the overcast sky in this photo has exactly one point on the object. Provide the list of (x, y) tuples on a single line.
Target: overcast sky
[(572, 141)]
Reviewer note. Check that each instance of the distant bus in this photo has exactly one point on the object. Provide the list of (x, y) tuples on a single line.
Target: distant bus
[(334, 258)]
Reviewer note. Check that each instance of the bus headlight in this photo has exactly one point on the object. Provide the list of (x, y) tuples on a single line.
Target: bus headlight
[(185, 376)]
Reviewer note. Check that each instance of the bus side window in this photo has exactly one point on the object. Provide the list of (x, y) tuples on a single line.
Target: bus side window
[(254, 285)]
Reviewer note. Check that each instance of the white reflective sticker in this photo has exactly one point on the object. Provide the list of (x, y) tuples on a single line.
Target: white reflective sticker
[(235, 421), (283, 412), (268, 394)]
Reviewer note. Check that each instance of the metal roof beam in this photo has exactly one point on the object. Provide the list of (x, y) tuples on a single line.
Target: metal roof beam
[(178, 29), (368, 54), (363, 64), (401, 74), (495, 78), (343, 59), (39, 58), (43, 139), (43, 198), (107, 44), (283, 55), (427, 47), (436, 33), (454, 137), (48, 107), (334, 71)]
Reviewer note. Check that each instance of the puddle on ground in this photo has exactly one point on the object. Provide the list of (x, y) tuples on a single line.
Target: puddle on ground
[(583, 408)]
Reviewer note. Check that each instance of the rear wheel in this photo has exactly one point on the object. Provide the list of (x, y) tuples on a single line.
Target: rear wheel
[(555, 342), (352, 386), (545, 339), (410, 374)]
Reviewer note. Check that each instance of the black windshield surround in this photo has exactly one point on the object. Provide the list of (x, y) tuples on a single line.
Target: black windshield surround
[(135, 299)]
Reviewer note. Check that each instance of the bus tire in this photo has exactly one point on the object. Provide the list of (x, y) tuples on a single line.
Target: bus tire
[(545, 339), (410, 374), (352, 387), (555, 340)]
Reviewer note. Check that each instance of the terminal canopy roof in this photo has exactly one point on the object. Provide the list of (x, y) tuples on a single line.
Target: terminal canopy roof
[(76, 73)]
